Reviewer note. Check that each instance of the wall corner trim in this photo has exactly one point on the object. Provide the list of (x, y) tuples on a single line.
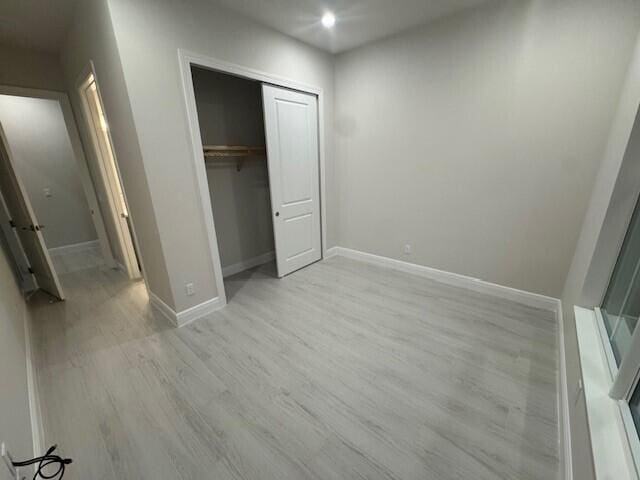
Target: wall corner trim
[(475, 284), (332, 252), (184, 317)]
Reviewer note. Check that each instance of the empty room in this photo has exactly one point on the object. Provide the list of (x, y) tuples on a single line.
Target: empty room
[(338, 239)]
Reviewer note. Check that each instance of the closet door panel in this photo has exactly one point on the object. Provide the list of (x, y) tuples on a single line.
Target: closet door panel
[(291, 126)]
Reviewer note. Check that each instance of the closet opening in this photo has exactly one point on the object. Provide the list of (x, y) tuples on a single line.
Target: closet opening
[(259, 149), (231, 123)]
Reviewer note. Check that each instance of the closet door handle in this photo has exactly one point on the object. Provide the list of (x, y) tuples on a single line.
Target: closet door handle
[(277, 214)]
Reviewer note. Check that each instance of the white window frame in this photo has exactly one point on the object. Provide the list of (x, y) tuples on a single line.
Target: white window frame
[(608, 387), (614, 439), (630, 383)]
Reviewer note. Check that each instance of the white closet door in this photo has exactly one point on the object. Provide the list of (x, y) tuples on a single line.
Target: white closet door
[(291, 126)]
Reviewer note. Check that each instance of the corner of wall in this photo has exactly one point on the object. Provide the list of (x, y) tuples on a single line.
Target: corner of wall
[(187, 316)]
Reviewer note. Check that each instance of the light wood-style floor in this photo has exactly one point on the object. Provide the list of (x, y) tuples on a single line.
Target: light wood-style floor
[(75, 261), (341, 370)]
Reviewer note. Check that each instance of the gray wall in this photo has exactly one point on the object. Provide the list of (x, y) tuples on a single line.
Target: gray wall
[(477, 138), (44, 158), (230, 113), (92, 38), (27, 68), (148, 34), (15, 420)]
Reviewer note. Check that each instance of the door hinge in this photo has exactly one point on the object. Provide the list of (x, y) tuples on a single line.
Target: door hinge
[(12, 223)]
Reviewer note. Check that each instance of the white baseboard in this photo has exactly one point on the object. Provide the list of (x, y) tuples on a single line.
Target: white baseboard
[(162, 308), (37, 428), (520, 296), (564, 426), (75, 247), (331, 252), (182, 318), (475, 284), (198, 311), (249, 263)]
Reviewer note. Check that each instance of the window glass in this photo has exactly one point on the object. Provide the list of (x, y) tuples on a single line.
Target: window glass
[(634, 406), (621, 305)]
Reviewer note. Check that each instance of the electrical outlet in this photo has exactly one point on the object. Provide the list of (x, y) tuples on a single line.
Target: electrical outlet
[(8, 461), (407, 249), (46, 191), (190, 289)]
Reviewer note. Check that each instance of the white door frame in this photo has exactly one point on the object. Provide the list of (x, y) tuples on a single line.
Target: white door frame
[(186, 60), (81, 161), (124, 229)]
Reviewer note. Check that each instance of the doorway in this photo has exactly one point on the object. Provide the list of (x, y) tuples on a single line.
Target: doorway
[(110, 191), (289, 161), (25, 237), (48, 207)]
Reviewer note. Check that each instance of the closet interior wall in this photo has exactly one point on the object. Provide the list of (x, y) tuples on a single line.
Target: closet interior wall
[(230, 113)]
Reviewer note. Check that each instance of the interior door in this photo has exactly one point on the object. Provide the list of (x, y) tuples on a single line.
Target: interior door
[(27, 280), (110, 176), (25, 223), (291, 127)]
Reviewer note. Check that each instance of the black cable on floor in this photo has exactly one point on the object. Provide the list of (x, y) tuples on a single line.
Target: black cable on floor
[(45, 461)]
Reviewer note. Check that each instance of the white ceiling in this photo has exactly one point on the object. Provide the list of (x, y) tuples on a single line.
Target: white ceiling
[(42, 24), (35, 24), (358, 21)]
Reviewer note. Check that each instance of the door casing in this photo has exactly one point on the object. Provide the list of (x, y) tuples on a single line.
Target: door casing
[(124, 229), (79, 156), (186, 60)]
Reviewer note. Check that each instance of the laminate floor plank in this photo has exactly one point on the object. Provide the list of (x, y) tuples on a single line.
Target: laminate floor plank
[(341, 370)]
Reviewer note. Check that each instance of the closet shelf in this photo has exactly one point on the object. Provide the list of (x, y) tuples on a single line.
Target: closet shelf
[(231, 150), (213, 152)]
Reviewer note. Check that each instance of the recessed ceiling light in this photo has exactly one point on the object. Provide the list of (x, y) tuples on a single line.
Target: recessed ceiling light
[(328, 20)]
